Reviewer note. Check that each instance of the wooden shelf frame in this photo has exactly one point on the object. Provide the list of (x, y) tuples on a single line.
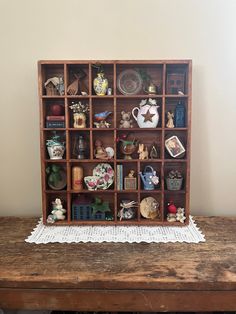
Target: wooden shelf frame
[(115, 100)]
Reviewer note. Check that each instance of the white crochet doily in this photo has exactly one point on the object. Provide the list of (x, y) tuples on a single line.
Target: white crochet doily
[(131, 234)]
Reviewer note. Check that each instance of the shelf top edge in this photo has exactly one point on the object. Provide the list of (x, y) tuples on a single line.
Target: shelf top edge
[(162, 61)]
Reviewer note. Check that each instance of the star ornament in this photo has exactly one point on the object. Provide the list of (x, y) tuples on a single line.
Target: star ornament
[(148, 116)]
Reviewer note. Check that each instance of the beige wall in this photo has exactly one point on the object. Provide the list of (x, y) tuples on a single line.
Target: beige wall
[(201, 30)]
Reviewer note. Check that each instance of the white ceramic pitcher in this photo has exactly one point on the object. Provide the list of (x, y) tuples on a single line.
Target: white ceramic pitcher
[(147, 116)]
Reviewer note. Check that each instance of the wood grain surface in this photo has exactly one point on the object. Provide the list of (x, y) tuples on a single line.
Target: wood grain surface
[(123, 275)]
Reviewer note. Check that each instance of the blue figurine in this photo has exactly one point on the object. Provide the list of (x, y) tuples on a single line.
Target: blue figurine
[(180, 113)]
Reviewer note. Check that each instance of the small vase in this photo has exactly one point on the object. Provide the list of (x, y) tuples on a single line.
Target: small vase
[(79, 120), (100, 84), (56, 151)]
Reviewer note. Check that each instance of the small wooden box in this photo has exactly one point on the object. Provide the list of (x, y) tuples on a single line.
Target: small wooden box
[(130, 183)]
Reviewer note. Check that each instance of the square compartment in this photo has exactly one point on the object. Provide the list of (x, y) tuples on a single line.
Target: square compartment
[(49, 71), (50, 198), (145, 208), (180, 111), (127, 197), (103, 141), (101, 106), (146, 168), (182, 137), (85, 207), (147, 74), (78, 76), (83, 101), (176, 79), (108, 74), (79, 144)]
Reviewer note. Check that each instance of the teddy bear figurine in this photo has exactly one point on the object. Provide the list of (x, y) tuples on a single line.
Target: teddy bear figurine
[(126, 122)]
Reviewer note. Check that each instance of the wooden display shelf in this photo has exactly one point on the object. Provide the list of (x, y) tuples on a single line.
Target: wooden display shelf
[(161, 73)]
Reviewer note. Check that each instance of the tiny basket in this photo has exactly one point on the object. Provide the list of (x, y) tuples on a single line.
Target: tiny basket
[(174, 184)]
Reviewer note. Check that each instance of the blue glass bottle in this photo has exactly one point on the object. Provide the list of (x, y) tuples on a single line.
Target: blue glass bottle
[(180, 115)]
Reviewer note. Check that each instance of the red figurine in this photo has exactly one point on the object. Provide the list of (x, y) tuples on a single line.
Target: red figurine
[(171, 207)]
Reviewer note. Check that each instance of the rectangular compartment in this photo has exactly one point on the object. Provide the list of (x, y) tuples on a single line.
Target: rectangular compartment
[(79, 144), (141, 79), (77, 79), (53, 75), (108, 69), (126, 211), (91, 184), (178, 185), (179, 107), (127, 176), (53, 111), (147, 178), (175, 148), (150, 206), (50, 200), (177, 79), (176, 199), (125, 107), (76, 119), (55, 176), (140, 142), (103, 144), (103, 114), (92, 207), (57, 152)]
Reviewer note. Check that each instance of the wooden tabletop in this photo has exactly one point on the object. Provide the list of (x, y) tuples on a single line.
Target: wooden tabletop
[(119, 276)]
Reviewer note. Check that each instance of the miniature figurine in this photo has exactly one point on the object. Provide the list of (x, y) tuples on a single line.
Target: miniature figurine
[(58, 212), (100, 152), (130, 181), (170, 118), (180, 214), (125, 121), (143, 151), (101, 119)]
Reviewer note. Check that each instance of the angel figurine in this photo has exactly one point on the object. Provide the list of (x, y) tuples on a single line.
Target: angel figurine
[(170, 118)]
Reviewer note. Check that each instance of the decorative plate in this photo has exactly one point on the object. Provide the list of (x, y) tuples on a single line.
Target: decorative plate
[(129, 82), (105, 173)]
